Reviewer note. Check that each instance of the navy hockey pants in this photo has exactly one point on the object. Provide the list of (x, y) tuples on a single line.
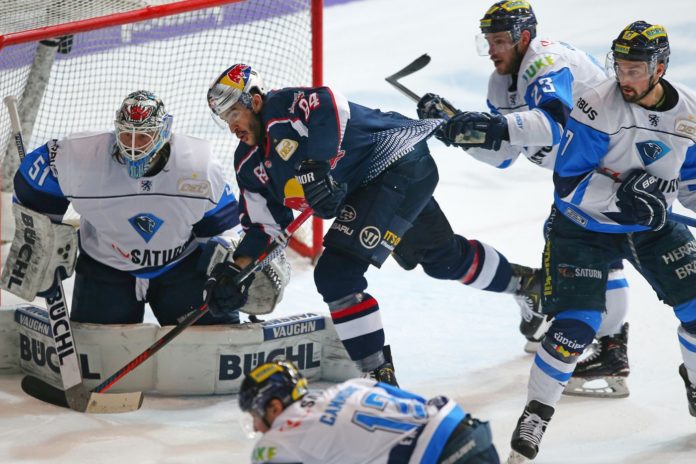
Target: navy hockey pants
[(104, 295)]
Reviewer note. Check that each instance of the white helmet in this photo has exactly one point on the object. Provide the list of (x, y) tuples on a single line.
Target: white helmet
[(143, 127), (233, 85)]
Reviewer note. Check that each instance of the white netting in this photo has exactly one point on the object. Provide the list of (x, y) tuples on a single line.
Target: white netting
[(176, 57)]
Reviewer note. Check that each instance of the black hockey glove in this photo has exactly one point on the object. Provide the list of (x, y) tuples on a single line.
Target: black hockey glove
[(221, 292), (434, 106), (324, 195), (473, 129), (640, 201)]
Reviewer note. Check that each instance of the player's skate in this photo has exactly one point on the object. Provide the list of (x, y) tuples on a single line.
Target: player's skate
[(528, 296), (529, 431), (385, 372), (690, 390), (603, 373)]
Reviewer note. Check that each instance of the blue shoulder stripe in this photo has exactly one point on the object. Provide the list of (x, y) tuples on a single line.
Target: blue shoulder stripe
[(36, 170)]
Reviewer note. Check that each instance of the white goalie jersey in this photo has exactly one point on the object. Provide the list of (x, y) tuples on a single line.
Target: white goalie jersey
[(123, 221)]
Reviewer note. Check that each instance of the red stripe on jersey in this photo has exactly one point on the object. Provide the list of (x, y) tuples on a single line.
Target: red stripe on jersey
[(350, 310), (473, 269)]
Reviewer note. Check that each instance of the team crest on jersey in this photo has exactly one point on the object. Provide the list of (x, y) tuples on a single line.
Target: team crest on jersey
[(146, 225), (286, 148), (652, 150)]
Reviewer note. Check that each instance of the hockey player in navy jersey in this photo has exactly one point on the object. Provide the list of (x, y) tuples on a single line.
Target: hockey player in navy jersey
[(628, 151), (371, 170), (530, 95), (153, 206), (357, 421)]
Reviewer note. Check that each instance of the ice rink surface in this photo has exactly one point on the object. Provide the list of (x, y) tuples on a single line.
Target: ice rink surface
[(446, 338)]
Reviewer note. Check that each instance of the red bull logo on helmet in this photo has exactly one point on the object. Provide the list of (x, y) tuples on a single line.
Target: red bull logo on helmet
[(237, 77)]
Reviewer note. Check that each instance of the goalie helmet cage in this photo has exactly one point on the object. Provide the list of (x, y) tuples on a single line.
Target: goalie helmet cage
[(70, 63)]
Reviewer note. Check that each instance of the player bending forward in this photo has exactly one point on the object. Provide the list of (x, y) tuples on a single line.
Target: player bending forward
[(358, 421)]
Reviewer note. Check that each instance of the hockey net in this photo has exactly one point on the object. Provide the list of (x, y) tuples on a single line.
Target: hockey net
[(70, 63)]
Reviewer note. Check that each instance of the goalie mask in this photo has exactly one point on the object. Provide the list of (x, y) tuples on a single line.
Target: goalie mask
[(143, 127), (278, 379), (235, 84)]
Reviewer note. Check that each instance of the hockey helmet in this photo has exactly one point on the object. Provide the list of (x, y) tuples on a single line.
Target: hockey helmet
[(277, 379), (513, 16), (235, 84), (641, 41), (143, 127)]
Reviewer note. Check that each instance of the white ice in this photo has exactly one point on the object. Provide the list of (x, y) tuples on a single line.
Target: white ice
[(446, 338)]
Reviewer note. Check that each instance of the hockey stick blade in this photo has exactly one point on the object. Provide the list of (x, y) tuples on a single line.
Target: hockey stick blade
[(416, 65), (79, 398)]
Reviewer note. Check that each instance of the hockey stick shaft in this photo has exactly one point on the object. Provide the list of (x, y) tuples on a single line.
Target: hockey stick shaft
[(269, 253), (689, 221), (11, 104), (416, 65)]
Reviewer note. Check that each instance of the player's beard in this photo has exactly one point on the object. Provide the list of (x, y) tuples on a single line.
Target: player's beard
[(633, 96)]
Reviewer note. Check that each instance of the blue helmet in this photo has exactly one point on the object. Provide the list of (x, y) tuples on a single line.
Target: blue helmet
[(641, 41), (277, 379), (143, 127), (513, 16)]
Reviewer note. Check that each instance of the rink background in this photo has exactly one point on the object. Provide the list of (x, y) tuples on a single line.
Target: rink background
[(446, 338)]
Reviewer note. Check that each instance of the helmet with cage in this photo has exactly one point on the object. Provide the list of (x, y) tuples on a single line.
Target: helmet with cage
[(236, 84), (143, 127), (277, 379)]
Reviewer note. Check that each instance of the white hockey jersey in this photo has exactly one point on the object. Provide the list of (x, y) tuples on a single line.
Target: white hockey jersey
[(552, 75), (359, 421), (606, 138), (143, 226)]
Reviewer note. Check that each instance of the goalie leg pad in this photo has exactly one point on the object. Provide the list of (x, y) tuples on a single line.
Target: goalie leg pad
[(39, 248)]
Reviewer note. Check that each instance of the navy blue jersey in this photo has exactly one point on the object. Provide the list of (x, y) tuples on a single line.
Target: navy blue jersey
[(313, 124)]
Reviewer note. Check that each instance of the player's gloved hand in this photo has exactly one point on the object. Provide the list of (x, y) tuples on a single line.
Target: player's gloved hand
[(640, 201), (324, 195), (473, 129), (222, 293), (434, 106)]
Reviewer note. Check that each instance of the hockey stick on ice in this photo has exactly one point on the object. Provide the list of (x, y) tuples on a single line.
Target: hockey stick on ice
[(416, 65), (76, 394), (79, 402)]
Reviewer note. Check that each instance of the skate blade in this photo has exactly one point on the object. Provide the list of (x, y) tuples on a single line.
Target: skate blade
[(597, 387), (531, 347), (516, 458)]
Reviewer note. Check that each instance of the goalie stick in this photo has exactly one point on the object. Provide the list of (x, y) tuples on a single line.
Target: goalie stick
[(96, 401), (76, 393), (11, 104)]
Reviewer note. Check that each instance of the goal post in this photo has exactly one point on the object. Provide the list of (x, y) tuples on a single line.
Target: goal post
[(70, 63)]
